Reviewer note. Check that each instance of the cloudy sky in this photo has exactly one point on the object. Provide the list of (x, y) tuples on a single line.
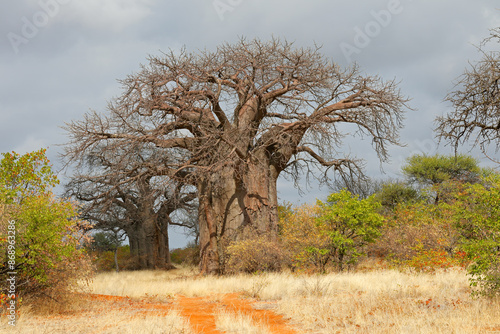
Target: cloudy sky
[(60, 58)]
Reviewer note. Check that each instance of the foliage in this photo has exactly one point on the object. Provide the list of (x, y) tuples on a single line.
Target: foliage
[(48, 256), (105, 260), (24, 175), (477, 213), (393, 193), (430, 170), (259, 254), (105, 241), (439, 172), (302, 237), (189, 255), (350, 224), (429, 259), (419, 235)]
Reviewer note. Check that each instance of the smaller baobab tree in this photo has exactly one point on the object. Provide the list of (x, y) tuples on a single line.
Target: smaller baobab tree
[(476, 102), (120, 192)]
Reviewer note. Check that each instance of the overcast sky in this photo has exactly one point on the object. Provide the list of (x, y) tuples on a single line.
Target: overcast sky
[(60, 58)]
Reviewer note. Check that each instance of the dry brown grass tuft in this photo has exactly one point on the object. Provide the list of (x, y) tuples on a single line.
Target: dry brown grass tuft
[(229, 322)]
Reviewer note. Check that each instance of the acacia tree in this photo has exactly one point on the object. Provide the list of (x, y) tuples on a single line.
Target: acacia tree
[(476, 102), (438, 169), (241, 116)]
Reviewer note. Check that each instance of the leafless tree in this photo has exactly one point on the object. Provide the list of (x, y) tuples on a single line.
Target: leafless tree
[(239, 117), (476, 101), (127, 196)]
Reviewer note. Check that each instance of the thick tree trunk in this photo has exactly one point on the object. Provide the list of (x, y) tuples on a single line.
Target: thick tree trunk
[(116, 260), (141, 249), (150, 234), (235, 204), (163, 259), (133, 242), (149, 243)]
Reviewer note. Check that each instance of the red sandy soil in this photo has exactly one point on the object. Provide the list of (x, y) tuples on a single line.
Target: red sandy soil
[(200, 313)]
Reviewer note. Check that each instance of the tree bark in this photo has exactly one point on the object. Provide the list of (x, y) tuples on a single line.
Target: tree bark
[(116, 260), (163, 259), (236, 204)]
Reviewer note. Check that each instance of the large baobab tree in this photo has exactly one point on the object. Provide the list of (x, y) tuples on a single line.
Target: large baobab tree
[(239, 117), (476, 102)]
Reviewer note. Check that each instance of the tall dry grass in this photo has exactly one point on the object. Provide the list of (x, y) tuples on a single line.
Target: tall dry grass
[(382, 301), (109, 322)]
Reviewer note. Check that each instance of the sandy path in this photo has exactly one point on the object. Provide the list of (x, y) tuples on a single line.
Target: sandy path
[(200, 312)]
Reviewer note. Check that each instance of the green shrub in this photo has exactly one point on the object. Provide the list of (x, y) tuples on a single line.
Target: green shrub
[(40, 238), (350, 223)]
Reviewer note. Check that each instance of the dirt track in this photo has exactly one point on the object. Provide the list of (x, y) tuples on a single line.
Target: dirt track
[(200, 311)]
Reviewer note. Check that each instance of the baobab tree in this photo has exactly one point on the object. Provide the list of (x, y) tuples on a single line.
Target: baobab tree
[(120, 192), (239, 117), (476, 102)]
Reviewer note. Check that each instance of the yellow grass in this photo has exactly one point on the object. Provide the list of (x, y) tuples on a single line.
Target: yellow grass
[(237, 323), (384, 301), (112, 322)]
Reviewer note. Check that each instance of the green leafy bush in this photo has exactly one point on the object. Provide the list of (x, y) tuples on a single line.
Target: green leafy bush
[(350, 223), (40, 236), (477, 215)]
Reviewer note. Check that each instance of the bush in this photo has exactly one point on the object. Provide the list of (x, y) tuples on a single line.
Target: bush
[(189, 256), (420, 236), (105, 260), (350, 223), (40, 237), (303, 240), (477, 216), (255, 255)]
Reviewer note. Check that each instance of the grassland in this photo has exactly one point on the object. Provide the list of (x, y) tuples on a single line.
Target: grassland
[(379, 301)]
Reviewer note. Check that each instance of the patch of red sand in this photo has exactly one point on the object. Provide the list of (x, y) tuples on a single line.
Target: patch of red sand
[(200, 313)]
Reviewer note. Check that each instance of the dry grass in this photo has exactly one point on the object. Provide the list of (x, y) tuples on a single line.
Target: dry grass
[(112, 322), (383, 301), (229, 322)]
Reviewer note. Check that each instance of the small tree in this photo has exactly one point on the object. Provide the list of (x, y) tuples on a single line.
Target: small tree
[(43, 237), (350, 224), (109, 240), (477, 213), (393, 193), (435, 170)]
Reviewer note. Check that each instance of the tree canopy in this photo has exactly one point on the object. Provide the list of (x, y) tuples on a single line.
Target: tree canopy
[(476, 102)]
